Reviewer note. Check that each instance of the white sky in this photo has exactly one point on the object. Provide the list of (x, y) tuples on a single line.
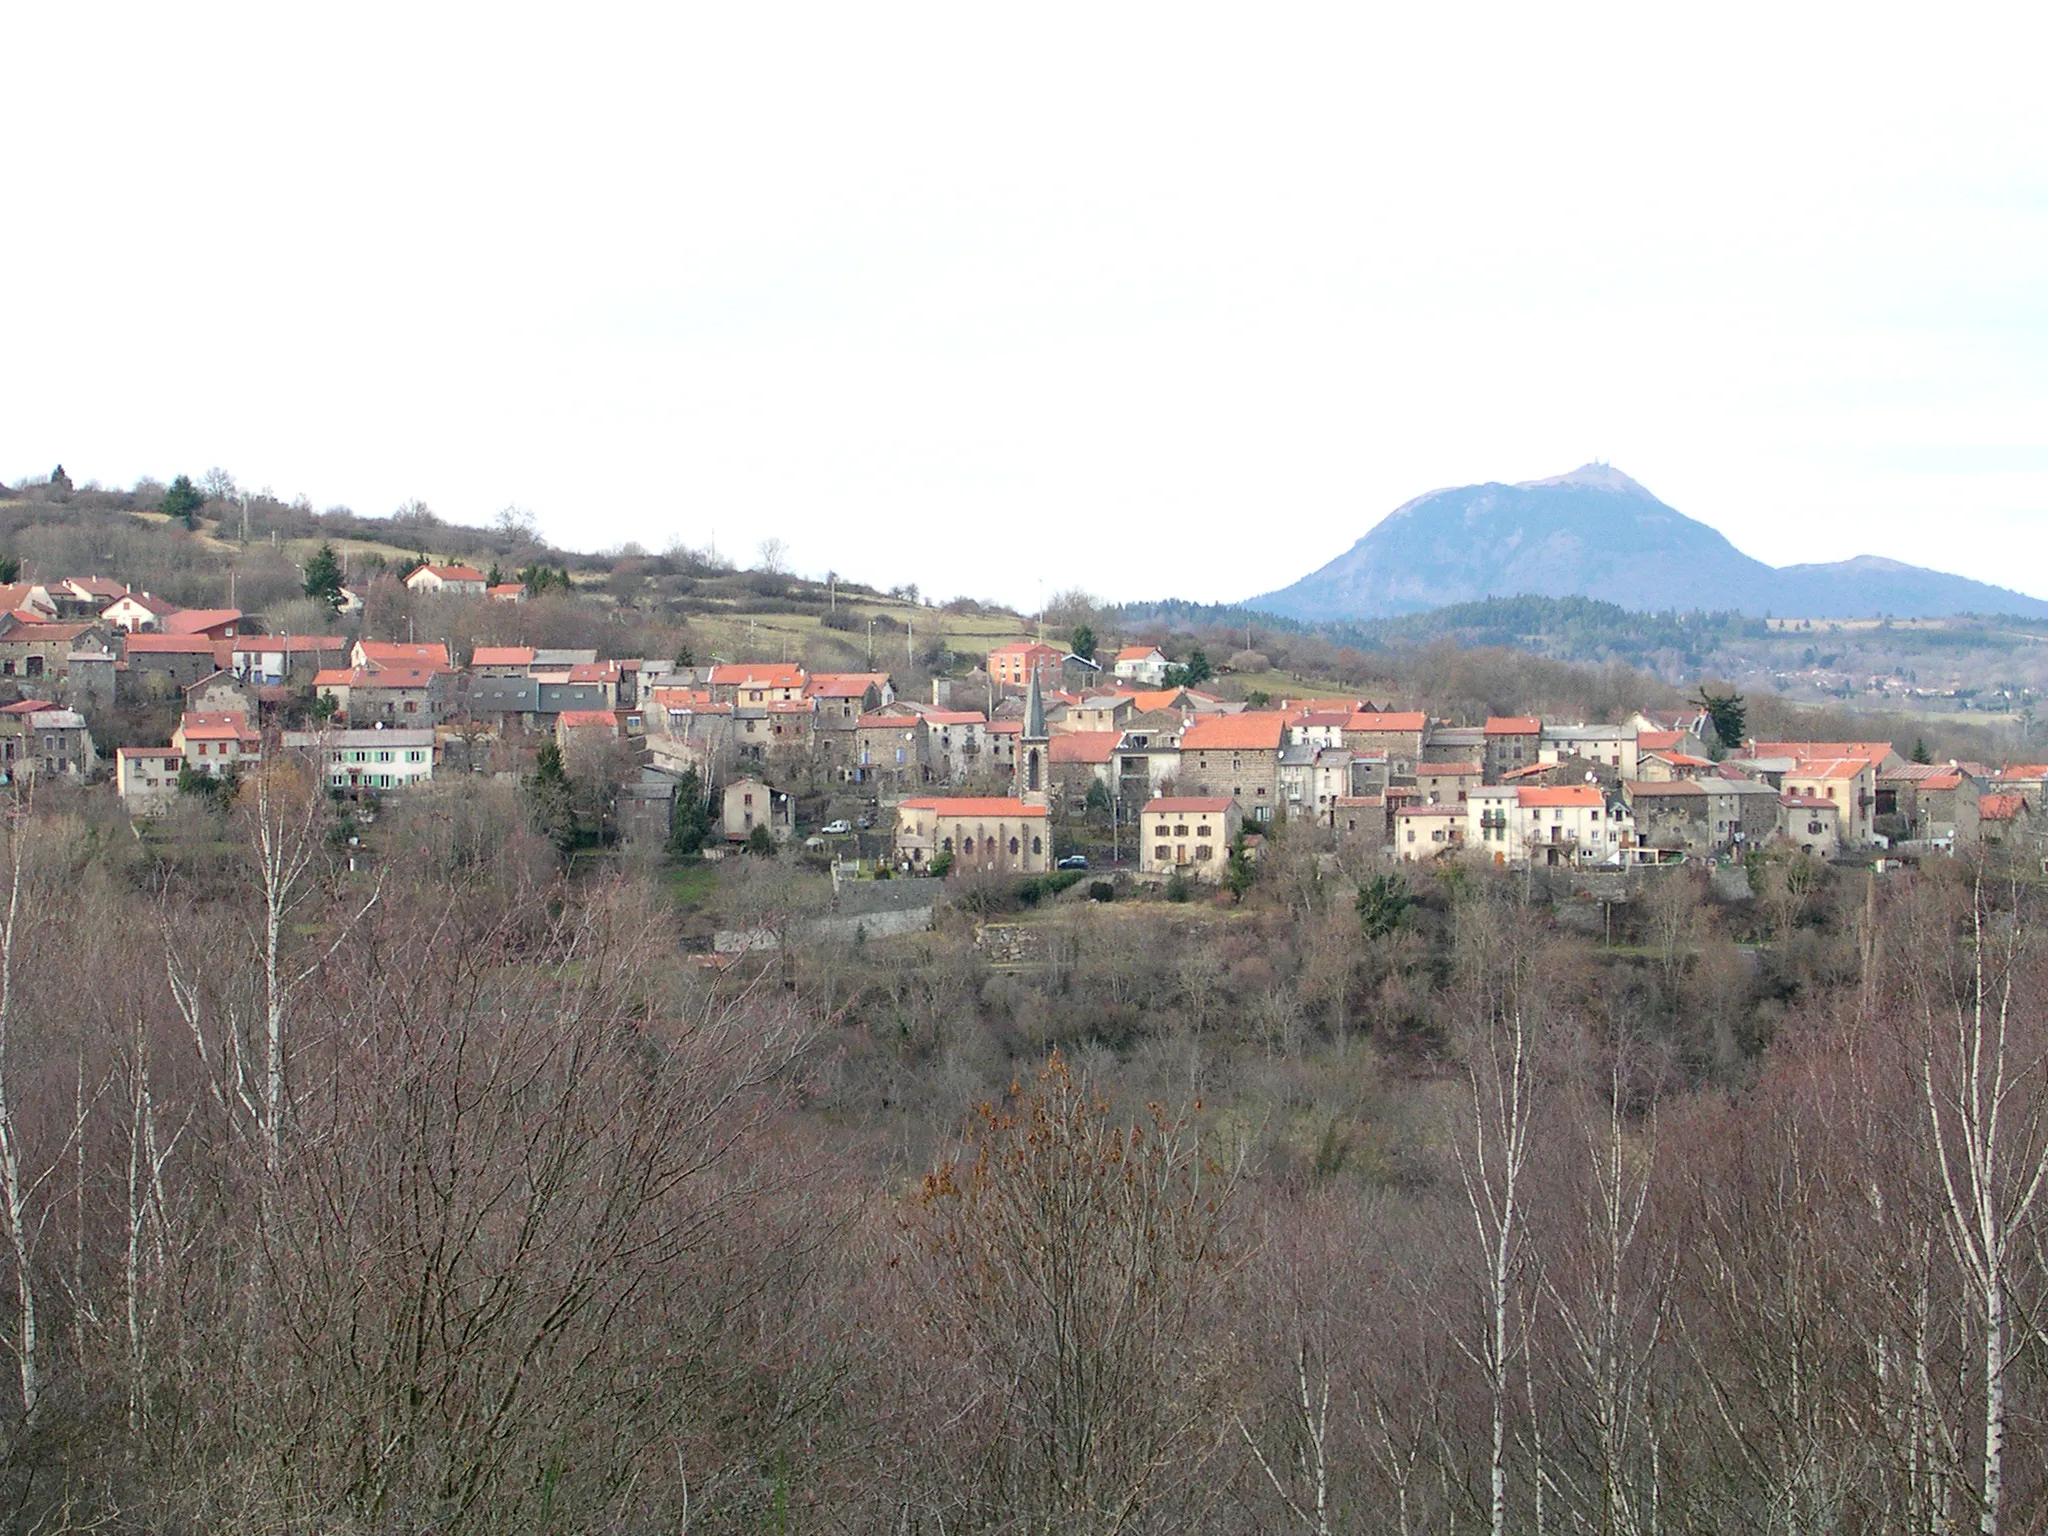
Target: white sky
[(1155, 300)]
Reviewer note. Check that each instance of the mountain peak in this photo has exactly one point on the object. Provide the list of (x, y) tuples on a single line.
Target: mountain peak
[(1595, 476), (1597, 533)]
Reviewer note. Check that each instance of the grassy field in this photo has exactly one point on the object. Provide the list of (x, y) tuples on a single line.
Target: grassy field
[(689, 886)]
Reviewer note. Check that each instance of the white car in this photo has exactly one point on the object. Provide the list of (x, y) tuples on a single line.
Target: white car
[(837, 828)]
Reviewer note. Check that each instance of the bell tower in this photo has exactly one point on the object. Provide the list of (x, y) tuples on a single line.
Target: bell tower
[(1034, 754)]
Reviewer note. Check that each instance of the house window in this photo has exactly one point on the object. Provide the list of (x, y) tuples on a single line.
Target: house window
[(1038, 845), (1013, 847), (1162, 853), (967, 845), (1202, 831), (1204, 852)]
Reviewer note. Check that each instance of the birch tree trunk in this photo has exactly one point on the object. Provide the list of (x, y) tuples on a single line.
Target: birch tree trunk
[(1501, 1081), (1981, 1082), (13, 1191)]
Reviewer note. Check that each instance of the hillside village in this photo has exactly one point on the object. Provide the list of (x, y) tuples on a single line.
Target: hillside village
[(1025, 761)]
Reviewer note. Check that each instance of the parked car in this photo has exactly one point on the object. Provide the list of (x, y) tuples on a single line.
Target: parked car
[(1074, 861), (837, 828)]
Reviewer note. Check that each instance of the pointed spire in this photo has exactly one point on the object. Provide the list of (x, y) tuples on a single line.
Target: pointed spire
[(1034, 711)]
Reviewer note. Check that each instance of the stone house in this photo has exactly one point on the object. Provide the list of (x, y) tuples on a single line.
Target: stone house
[(39, 739), (889, 748), (448, 581), (1235, 755), (1510, 742), (1395, 735), (217, 743), (1426, 832), (748, 803), (1812, 822), (1144, 665), (146, 778), (995, 834), (1190, 835)]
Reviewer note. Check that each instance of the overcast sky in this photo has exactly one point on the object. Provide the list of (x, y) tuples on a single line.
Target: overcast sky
[(1152, 300)]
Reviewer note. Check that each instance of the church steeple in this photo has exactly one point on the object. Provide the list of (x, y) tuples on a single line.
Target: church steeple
[(1034, 711), (1034, 760)]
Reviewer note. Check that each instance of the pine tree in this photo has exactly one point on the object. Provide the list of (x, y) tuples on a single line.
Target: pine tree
[(689, 822), (550, 798), (323, 576), (183, 501)]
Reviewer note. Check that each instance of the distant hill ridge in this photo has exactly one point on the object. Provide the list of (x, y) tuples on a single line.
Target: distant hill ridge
[(1597, 533)]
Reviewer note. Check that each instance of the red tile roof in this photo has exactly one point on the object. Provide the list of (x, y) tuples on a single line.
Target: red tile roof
[(757, 675), (1408, 720), (1658, 741), (449, 572), (502, 656), (1872, 752), (1514, 725), (843, 685), (396, 676), (1568, 794), (1157, 698), (216, 725), (973, 806), (190, 621), (1084, 746), (290, 644), (386, 653), (576, 718), (1188, 805), (1249, 732), (171, 645), (1025, 648), (2002, 807), (1829, 768)]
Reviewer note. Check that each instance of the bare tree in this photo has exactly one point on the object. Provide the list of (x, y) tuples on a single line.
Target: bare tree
[(15, 1181), (1491, 1151), (1073, 1257), (1983, 1070)]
